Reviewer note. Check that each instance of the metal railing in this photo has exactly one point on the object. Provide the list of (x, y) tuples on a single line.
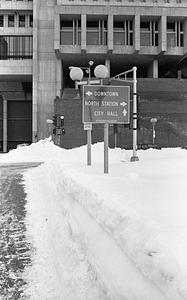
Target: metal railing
[(16, 47)]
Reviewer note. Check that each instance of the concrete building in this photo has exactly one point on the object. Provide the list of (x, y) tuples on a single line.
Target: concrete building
[(39, 40)]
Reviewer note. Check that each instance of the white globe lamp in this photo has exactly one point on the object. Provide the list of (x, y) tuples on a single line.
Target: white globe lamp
[(101, 72), (76, 73)]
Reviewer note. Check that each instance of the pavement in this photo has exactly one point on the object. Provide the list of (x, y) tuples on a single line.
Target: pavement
[(15, 251)]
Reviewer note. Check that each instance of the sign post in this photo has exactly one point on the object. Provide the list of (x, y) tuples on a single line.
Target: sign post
[(106, 148), (107, 105)]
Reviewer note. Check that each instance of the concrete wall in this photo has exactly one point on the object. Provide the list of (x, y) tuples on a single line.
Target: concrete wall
[(15, 67), (164, 99), (46, 67)]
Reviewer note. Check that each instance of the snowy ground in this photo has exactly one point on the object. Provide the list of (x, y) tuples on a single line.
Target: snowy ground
[(115, 236)]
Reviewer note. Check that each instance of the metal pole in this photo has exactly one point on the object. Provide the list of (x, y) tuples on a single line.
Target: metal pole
[(5, 137), (153, 133), (89, 134), (106, 132), (134, 157), (89, 143), (106, 148), (115, 140)]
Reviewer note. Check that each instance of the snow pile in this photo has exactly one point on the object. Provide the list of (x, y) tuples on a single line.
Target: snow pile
[(138, 237), (117, 236), (45, 149)]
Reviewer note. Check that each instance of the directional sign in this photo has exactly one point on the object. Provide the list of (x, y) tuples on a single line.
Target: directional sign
[(106, 104)]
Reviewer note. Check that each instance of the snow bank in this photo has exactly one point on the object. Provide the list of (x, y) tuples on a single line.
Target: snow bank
[(139, 239), (134, 253), (129, 252)]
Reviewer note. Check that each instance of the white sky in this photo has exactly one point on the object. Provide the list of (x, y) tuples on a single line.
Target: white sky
[(121, 235)]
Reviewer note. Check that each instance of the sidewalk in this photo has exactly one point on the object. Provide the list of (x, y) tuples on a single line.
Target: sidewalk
[(14, 249)]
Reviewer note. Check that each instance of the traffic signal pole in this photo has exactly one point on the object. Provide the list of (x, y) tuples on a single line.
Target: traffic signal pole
[(123, 77), (135, 116), (89, 135)]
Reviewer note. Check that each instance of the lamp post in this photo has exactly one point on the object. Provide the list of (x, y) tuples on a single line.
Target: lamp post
[(100, 72), (76, 74), (153, 122), (49, 124)]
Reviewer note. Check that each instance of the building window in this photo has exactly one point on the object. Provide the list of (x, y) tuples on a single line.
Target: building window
[(123, 33), (16, 47), (1, 20), (149, 33), (70, 32), (11, 21), (96, 32), (175, 34), (30, 20), (21, 21)]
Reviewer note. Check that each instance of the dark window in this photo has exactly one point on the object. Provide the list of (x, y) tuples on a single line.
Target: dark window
[(21, 21), (16, 47), (70, 32), (1, 20), (149, 33), (11, 21), (123, 33), (175, 34), (96, 32), (30, 21)]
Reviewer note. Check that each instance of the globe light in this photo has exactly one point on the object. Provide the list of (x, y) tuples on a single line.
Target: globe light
[(153, 121), (76, 73), (101, 71)]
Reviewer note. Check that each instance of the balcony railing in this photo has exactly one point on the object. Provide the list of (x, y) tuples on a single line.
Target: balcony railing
[(16, 47)]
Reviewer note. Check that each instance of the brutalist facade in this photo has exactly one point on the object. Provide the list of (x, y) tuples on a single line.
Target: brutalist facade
[(40, 40)]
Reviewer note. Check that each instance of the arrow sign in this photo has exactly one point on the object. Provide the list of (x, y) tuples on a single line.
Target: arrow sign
[(123, 103), (124, 112), (89, 93)]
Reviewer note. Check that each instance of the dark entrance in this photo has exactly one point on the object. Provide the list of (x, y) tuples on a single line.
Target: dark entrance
[(19, 123), (1, 123)]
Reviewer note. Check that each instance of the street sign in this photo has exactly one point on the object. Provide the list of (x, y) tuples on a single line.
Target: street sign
[(87, 126), (106, 104)]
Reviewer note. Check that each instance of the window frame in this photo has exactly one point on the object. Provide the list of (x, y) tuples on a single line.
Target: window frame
[(151, 30), (100, 31), (176, 30), (74, 31), (126, 31), (11, 21)]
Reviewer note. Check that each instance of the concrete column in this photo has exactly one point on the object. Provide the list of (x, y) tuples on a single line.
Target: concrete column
[(110, 35), (136, 33), (153, 69), (107, 64), (5, 135), (57, 35), (35, 73), (59, 78), (83, 33), (162, 37)]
